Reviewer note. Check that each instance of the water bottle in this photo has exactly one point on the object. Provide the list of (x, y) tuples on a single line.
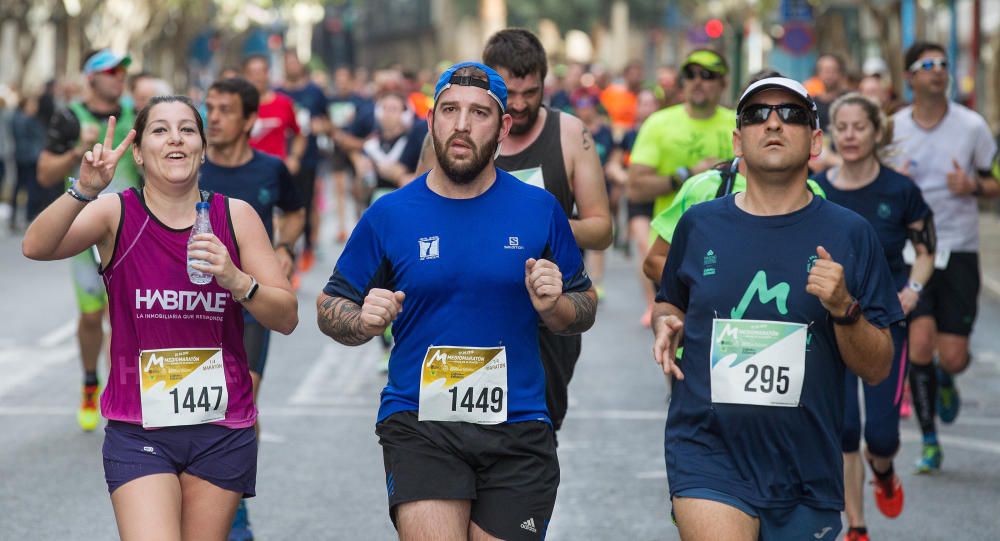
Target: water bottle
[(202, 224)]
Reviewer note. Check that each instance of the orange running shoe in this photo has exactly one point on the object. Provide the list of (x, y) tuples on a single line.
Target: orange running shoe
[(306, 260), (855, 535), (888, 494), (88, 415)]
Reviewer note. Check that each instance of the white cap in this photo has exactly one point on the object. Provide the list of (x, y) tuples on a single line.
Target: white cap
[(782, 83), (875, 66)]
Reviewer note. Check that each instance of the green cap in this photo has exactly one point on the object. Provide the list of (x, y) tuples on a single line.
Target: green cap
[(707, 59)]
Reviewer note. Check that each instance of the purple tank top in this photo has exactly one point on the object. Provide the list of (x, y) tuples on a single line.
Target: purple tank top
[(153, 305)]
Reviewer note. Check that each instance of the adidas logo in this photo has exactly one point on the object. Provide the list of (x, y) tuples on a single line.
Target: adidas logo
[(529, 525)]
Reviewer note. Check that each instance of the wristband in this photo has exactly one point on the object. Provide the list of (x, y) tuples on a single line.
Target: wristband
[(76, 194), (250, 292), (917, 287), (978, 191), (851, 316)]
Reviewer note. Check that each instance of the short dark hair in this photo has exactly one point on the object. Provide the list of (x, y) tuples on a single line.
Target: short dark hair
[(518, 51), (917, 50), (143, 117), (249, 96), (760, 76), (841, 64)]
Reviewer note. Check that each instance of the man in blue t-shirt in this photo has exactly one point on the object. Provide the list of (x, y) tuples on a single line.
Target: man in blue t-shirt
[(464, 262), (310, 111), (774, 292), (234, 169)]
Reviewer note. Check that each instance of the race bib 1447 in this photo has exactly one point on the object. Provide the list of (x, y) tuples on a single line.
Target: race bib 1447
[(182, 387)]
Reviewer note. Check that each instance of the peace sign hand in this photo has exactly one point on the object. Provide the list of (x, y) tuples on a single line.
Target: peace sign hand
[(98, 165)]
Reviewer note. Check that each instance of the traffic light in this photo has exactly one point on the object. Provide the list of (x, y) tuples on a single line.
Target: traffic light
[(713, 28)]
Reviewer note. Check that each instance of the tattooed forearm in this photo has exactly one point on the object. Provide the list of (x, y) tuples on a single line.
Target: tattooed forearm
[(585, 306), (587, 139), (340, 319)]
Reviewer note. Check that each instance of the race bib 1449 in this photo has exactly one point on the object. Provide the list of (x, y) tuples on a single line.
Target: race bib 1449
[(465, 384), (182, 387), (758, 363)]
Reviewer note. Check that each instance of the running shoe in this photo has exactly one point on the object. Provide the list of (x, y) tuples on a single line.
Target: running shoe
[(856, 535), (88, 416), (888, 494), (906, 407), (306, 260), (241, 525), (948, 401), (930, 461)]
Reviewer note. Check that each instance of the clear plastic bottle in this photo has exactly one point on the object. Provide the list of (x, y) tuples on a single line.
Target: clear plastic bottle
[(202, 224)]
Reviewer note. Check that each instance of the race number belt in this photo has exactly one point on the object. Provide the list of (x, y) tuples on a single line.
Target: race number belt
[(182, 386), (760, 363), (464, 384)]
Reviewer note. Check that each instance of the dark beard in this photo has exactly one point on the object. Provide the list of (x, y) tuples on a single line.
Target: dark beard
[(465, 173), (516, 129)]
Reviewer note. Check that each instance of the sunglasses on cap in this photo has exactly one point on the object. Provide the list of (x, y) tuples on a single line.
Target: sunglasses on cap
[(113, 71), (929, 64), (691, 71), (788, 113)]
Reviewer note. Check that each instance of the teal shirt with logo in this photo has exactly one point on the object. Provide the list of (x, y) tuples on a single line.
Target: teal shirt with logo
[(726, 264)]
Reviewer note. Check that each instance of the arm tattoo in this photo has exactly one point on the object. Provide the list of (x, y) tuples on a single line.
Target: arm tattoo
[(586, 139), (340, 319), (585, 308)]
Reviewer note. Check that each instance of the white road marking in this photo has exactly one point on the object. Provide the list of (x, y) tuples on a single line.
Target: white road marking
[(59, 334), (270, 437), (338, 375), (949, 441), (27, 363)]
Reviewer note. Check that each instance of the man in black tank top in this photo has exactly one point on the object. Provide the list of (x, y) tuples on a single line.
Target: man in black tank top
[(554, 151)]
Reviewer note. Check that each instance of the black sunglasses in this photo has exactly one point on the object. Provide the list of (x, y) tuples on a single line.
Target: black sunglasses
[(929, 64), (789, 113), (690, 72)]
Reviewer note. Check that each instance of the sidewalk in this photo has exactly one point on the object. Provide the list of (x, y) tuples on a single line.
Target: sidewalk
[(989, 252)]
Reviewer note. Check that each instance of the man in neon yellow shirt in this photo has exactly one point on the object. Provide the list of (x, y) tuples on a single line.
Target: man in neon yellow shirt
[(685, 139)]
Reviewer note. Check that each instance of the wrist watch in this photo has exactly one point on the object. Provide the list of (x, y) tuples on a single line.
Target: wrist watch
[(917, 287), (254, 286), (851, 315)]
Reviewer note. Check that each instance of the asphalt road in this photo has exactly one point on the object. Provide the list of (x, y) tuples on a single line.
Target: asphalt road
[(320, 470)]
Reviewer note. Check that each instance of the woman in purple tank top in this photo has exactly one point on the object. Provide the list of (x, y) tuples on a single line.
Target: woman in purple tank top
[(180, 449)]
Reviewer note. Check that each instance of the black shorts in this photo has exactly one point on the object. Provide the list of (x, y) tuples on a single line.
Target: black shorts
[(951, 296), (559, 357), (340, 161), (305, 181), (510, 471), (640, 209), (256, 342)]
